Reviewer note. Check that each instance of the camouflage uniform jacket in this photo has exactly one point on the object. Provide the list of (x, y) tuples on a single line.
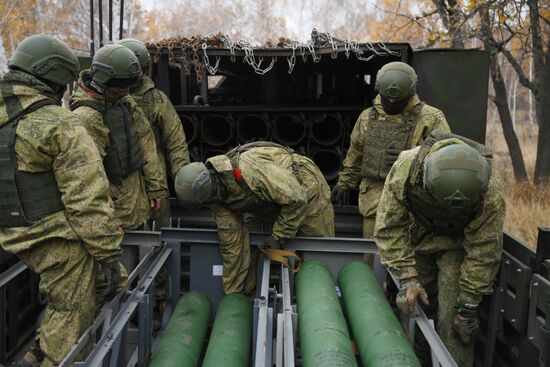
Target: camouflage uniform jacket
[(166, 125), (430, 119), (399, 236), (131, 197), (276, 181), (53, 139)]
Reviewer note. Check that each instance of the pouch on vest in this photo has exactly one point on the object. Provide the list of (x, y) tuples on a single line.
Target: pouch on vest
[(383, 135), (123, 154), (25, 197)]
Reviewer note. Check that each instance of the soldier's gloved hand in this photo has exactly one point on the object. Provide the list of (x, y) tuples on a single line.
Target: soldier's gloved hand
[(409, 290), (272, 242), (465, 323), (111, 269), (337, 195), (390, 156)]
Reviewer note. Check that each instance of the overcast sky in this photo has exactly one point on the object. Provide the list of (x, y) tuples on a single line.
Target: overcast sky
[(301, 28)]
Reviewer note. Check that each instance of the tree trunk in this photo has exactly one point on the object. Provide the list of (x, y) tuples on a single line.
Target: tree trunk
[(542, 166), (501, 101)]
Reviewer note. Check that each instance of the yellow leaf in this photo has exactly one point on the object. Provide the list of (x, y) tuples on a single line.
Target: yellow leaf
[(432, 37)]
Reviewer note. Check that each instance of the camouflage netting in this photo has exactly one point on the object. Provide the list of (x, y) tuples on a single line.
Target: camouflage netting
[(192, 52)]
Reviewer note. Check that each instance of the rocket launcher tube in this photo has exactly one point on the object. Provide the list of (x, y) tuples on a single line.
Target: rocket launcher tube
[(324, 337), (182, 341), (229, 344), (377, 332)]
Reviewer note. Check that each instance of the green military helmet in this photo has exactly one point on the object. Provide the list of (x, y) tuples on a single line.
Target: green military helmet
[(193, 185), (115, 66), (138, 48), (457, 175), (47, 58), (396, 80)]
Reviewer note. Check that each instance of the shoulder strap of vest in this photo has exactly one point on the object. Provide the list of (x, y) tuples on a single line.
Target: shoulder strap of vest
[(95, 104), (235, 153), (256, 144), (438, 135), (127, 127), (416, 166), (373, 113)]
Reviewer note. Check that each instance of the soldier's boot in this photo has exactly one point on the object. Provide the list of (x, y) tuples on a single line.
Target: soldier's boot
[(33, 357)]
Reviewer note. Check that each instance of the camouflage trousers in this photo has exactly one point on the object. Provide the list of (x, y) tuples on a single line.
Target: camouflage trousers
[(240, 261), (439, 273), (370, 192), (68, 279)]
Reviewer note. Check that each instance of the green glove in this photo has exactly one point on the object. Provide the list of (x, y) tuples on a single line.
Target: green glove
[(466, 323), (337, 195), (409, 290), (111, 269)]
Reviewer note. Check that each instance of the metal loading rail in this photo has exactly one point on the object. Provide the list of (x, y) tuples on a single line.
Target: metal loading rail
[(118, 342), (275, 340)]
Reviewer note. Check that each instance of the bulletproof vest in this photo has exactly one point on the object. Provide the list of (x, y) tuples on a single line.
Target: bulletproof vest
[(25, 197), (252, 202), (123, 154), (382, 135), (426, 210)]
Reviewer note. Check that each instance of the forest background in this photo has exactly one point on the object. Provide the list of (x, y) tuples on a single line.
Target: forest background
[(516, 32)]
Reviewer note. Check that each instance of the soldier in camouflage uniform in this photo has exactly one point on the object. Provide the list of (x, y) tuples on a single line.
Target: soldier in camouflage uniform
[(55, 210), (397, 121), (258, 180), (439, 230), (121, 133), (165, 123)]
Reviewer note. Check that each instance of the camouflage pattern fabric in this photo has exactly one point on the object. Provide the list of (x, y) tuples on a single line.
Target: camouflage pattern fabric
[(131, 199), (450, 268), (295, 201), (63, 247), (169, 136), (370, 188)]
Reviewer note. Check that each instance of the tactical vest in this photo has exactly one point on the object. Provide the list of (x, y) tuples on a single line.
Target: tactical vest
[(25, 197), (382, 135), (427, 211), (252, 202), (123, 155)]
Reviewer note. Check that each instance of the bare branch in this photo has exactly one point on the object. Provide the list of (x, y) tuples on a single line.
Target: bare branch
[(519, 71), (7, 14)]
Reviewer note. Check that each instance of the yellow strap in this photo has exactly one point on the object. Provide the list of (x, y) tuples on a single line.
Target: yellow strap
[(282, 257)]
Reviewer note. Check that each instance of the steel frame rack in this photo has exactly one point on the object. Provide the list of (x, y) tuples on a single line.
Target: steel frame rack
[(120, 343)]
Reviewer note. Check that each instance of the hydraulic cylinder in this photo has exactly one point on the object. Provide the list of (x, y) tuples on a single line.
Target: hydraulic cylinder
[(324, 337), (182, 341), (377, 332), (231, 335)]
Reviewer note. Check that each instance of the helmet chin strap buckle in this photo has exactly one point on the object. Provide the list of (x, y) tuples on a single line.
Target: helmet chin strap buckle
[(457, 200)]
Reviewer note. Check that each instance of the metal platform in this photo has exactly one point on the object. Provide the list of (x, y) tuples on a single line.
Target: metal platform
[(123, 333)]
